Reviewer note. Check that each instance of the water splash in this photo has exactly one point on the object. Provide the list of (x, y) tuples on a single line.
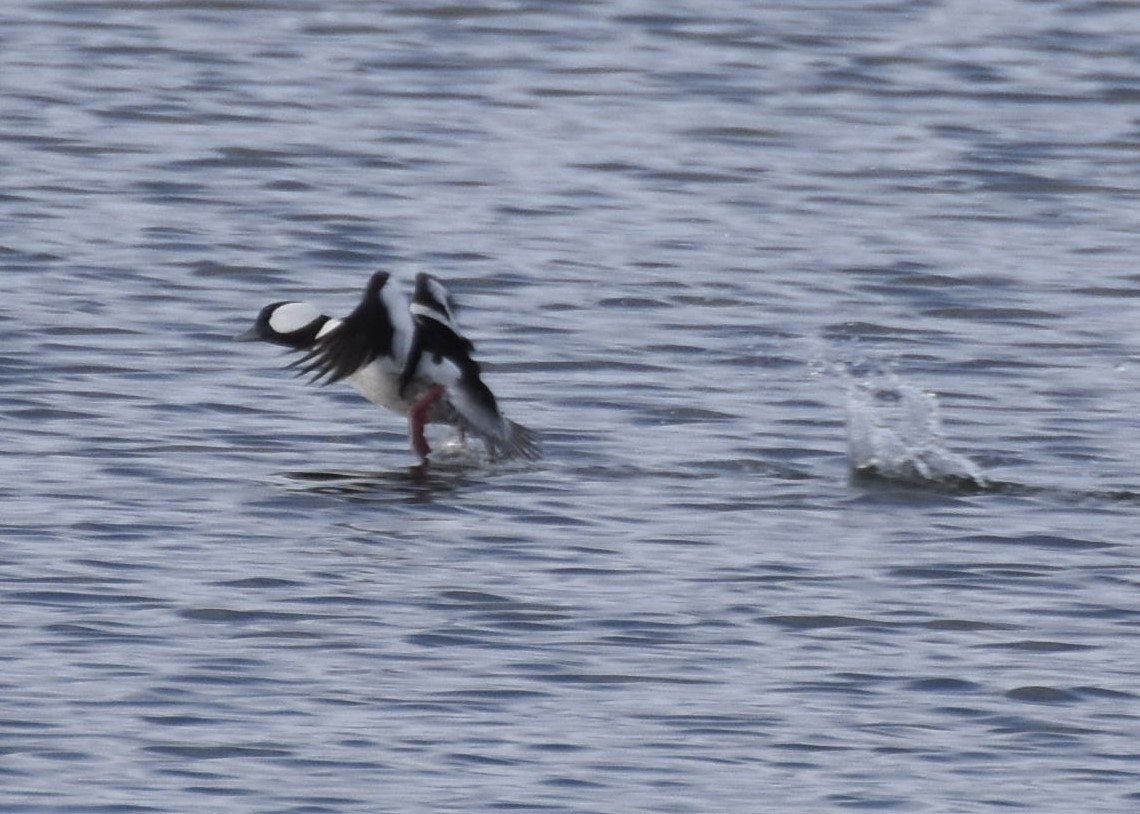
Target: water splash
[(894, 431)]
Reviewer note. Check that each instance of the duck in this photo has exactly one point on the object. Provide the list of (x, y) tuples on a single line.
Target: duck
[(409, 358)]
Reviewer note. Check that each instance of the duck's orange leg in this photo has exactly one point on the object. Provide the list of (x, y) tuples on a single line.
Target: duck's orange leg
[(417, 417)]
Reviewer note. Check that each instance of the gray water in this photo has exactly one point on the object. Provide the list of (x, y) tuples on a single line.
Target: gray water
[(826, 314)]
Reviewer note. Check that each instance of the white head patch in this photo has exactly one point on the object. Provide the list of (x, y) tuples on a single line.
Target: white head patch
[(292, 316)]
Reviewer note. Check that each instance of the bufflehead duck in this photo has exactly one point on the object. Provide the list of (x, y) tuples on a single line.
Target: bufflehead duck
[(411, 360)]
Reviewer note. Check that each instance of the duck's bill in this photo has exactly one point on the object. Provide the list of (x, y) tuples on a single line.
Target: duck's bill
[(251, 335)]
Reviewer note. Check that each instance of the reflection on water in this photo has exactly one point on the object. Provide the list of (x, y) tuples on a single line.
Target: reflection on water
[(411, 484)]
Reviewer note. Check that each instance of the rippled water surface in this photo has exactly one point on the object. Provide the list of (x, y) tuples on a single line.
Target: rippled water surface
[(826, 314)]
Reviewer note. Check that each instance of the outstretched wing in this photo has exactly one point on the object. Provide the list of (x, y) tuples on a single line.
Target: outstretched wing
[(442, 354), (435, 330), (364, 335)]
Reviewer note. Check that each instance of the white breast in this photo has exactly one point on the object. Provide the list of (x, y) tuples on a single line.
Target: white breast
[(380, 386)]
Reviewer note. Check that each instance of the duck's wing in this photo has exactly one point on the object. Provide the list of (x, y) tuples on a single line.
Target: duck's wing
[(434, 329), (441, 354), (368, 333), (476, 404)]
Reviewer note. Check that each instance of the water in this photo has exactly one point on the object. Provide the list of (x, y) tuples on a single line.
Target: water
[(825, 312)]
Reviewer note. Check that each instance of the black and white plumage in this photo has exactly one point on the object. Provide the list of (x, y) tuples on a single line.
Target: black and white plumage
[(400, 358), (295, 325), (439, 353)]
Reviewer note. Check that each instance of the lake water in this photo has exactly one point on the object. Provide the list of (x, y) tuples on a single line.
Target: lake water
[(826, 314)]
